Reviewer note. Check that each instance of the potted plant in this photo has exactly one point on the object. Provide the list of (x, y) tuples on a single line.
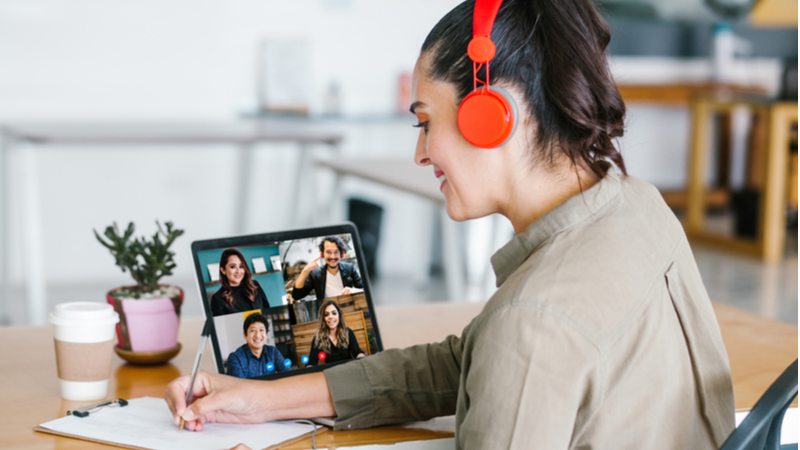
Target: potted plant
[(149, 312)]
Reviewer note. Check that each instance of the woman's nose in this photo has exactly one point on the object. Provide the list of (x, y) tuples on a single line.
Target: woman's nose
[(421, 152)]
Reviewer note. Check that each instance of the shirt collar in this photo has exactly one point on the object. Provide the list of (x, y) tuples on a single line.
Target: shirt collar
[(574, 210)]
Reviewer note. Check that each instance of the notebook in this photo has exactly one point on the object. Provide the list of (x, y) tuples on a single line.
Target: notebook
[(147, 423)]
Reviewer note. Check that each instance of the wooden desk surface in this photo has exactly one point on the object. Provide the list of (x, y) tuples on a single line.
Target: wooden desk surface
[(759, 350)]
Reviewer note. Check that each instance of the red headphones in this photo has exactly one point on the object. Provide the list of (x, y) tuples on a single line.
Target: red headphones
[(487, 116)]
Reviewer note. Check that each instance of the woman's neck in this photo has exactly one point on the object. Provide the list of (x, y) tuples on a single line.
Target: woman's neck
[(531, 196)]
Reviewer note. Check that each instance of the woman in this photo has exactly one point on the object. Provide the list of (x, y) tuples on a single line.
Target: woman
[(239, 291), (600, 334), (333, 339)]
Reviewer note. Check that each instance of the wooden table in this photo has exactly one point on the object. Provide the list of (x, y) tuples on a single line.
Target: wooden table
[(759, 350)]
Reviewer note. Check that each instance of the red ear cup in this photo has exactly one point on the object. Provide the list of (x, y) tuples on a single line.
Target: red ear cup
[(487, 118)]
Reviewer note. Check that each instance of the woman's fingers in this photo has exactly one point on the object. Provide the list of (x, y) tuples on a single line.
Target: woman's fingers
[(176, 397), (241, 447)]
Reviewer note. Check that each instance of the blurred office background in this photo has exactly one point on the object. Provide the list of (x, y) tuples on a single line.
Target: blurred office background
[(96, 63)]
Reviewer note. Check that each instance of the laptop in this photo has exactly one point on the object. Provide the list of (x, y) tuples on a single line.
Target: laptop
[(264, 281)]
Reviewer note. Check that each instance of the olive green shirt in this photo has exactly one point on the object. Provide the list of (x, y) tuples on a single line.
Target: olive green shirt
[(601, 335)]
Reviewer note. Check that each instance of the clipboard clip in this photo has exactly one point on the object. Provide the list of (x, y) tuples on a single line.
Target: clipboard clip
[(84, 411)]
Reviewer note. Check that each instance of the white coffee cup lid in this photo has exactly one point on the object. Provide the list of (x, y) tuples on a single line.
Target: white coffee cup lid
[(83, 311)]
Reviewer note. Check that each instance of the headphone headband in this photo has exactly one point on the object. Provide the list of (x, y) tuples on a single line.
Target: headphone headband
[(481, 49)]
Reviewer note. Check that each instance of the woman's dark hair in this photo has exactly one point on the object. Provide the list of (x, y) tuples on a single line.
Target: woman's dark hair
[(553, 52), (336, 240), (248, 287)]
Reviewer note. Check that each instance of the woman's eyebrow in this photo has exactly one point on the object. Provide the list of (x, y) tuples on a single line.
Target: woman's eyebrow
[(414, 106)]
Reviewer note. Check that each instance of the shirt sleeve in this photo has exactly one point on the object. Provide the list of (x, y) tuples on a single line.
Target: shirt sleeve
[(357, 278), (234, 366), (300, 292), (395, 386), (354, 348), (530, 378)]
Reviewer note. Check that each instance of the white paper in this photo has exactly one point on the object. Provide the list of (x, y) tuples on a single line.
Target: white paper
[(213, 272), (431, 444), (276, 262), (259, 266), (147, 422)]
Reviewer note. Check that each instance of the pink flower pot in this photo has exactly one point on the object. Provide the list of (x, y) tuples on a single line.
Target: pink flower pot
[(147, 325)]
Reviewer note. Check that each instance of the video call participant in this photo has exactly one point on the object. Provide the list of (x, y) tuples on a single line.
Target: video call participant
[(239, 291), (600, 335), (333, 338), (332, 279), (252, 358)]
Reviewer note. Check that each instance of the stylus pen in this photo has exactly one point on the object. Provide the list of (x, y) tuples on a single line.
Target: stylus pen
[(197, 359)]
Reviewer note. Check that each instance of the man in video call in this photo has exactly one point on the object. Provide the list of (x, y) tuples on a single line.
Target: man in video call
[(331, 279), (253, 358)]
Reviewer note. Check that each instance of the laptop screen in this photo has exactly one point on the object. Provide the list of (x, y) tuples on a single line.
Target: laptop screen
[(286, 303)]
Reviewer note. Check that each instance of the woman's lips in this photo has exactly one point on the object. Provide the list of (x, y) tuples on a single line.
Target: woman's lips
[(442, 178)]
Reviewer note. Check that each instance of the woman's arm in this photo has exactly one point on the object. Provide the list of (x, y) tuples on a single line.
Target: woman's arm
[(224, 399), (395, 386), (216, 307), (261, 294), (313, 358), (355, 349)]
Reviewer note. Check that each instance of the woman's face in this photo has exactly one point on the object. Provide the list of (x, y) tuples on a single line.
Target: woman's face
[(470, 178), (233, 270), (331, 317)]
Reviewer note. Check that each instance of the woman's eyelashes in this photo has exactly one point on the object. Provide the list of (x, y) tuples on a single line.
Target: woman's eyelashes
[(423, 125)]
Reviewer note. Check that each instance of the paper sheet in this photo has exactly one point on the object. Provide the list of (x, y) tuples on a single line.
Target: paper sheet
[(147, 422), (433, 444)]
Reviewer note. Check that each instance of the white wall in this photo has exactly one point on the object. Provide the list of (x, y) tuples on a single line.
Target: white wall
[(182, 60)]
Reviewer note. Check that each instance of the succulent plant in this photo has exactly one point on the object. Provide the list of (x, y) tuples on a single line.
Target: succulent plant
[(146, 260)]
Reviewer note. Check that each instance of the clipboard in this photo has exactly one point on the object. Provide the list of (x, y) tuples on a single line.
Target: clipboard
[(112, 421)]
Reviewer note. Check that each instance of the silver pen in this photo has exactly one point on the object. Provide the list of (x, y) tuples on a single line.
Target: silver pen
[(197, 359)]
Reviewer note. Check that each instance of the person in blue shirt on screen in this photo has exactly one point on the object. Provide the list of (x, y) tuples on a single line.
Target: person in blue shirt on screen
[(255, 358)]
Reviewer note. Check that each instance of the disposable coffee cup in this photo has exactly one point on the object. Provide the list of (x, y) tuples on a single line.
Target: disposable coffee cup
[(84, 341)]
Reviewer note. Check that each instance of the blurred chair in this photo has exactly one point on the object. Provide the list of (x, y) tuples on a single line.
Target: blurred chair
[(769, 175), (761, 429)]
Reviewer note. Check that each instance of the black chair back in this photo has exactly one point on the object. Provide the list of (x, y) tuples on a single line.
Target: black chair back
[(761, 429)]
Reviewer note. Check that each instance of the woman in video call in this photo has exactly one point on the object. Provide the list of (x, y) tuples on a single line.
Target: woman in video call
[(239, 291), (333, 338), (600, 335)]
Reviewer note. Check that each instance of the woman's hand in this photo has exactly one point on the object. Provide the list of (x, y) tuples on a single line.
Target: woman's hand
[(217, 398), (220, 398)]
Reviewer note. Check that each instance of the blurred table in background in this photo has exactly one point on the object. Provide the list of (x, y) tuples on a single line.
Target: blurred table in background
[(768, 181), (681, 95), (759, 350), (27, 137)]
